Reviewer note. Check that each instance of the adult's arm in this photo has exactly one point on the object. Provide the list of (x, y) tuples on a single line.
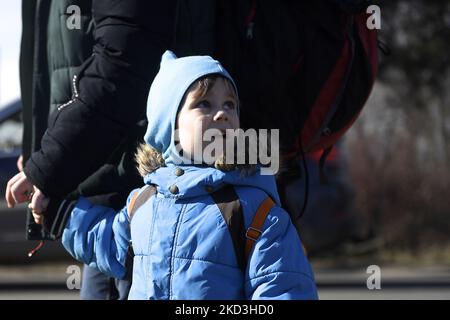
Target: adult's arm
[(112, 88)]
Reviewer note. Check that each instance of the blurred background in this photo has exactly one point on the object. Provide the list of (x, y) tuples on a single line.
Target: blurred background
[(387, 203), (399, 150)]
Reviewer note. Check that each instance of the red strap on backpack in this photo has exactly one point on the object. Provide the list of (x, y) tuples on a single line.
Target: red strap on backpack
[(311, 138)]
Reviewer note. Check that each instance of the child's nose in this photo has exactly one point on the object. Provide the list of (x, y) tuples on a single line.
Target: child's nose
[(220, 115)]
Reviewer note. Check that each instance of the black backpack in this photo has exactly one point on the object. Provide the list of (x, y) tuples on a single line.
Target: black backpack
[(304, 67)]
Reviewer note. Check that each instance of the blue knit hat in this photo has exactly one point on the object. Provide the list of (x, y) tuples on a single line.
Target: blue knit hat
[(171, 83)]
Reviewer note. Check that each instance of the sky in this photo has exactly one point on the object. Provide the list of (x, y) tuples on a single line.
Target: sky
[(10, 33)]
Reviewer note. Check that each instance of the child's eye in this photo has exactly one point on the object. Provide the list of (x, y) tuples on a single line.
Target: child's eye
[(230, 105), (203, 104)]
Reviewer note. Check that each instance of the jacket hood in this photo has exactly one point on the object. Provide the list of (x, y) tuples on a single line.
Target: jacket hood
[(166, 93), (192, 181)]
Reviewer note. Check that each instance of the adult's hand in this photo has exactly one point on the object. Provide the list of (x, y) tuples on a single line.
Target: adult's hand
[(38, 205), (20, 163), (19, 189)]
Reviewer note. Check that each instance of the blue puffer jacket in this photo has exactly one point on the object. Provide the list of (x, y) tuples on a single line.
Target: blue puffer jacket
[(182, 245)]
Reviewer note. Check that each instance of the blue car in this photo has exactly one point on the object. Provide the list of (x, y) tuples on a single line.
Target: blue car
[(10, 141)]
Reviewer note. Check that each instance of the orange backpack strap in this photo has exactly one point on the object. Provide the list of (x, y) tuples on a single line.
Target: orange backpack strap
[(139, 199), (255, 229), (136, 201)]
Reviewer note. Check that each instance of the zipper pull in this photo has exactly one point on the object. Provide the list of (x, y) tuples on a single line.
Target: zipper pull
[(33, 251)]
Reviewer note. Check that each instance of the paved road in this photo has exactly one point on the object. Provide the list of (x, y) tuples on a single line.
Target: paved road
[(37, 281), (408, 293), (44, 294), (431, 283), (325, 294), (48, 281)]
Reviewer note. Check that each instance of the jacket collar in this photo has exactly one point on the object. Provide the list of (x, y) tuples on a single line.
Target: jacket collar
[(191, 181)]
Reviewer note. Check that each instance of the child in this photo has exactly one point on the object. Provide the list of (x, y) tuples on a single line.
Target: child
[(179, 226)]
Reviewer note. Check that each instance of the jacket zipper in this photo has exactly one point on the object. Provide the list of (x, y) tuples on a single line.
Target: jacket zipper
[(325, 128)]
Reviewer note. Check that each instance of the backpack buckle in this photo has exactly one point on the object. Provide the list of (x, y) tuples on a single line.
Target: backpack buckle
[(253, 237)]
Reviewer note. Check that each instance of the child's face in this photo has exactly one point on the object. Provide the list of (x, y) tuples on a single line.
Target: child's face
[(218, 109)]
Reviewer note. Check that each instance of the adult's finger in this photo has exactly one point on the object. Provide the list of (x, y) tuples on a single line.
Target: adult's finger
[(39, 201), (21, 189), (20, 163), (38, 218), (9, 194)]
